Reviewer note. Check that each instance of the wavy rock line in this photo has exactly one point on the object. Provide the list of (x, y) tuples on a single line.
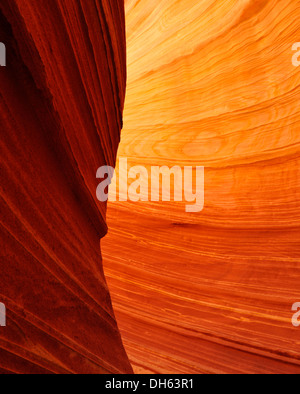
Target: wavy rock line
[(211, 83), (62, 95)]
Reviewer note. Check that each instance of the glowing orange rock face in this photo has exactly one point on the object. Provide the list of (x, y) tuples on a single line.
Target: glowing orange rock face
[(211, 83), (61, 103)]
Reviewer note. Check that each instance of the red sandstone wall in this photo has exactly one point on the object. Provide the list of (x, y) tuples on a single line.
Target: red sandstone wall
[(61, 104), (211, 83)]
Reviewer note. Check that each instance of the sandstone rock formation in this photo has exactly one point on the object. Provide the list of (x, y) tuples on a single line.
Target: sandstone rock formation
[(211, 83), (62, 95)]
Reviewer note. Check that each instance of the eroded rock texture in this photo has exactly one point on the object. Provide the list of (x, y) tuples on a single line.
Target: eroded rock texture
[(61, 105), (211, 83)]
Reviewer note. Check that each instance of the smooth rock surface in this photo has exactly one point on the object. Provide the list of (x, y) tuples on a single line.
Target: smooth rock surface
[(211, 83), (62, 96)]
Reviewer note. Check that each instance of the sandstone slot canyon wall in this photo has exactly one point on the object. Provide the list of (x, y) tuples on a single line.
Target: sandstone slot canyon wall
[(211, 83), (62, 95)]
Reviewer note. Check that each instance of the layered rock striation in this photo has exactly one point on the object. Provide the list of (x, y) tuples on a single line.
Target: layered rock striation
[(211, 83), (62, 94)]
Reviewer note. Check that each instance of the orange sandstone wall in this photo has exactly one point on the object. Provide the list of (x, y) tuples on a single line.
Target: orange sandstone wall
[(61, 104), (211, 83)]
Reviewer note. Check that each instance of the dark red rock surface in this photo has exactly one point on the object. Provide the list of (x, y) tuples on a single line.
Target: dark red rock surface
[(61, 105)]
